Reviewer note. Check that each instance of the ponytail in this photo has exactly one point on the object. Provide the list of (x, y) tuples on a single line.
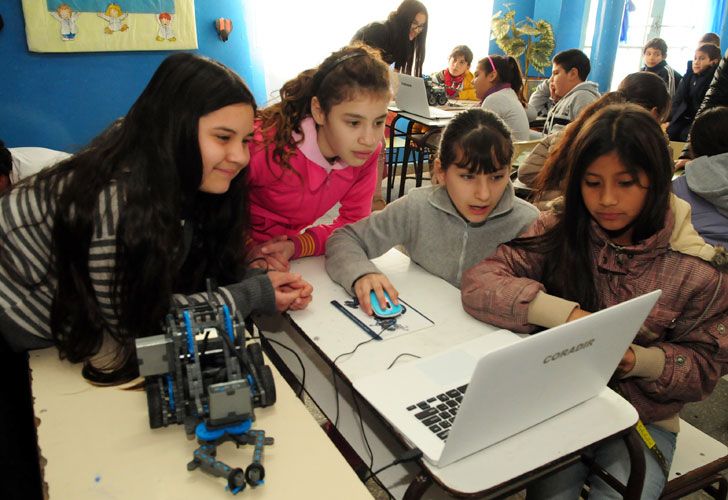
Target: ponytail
[(508, 72), (516, 80)]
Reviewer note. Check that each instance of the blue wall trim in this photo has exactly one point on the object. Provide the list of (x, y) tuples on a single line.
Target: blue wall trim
[(606, 40)]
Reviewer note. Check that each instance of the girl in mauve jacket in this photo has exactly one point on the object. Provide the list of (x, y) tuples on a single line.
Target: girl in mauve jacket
[(620, 234)]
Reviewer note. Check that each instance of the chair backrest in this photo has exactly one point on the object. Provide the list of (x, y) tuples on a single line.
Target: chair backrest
[(677, 149), (697, 465), (522, 148)]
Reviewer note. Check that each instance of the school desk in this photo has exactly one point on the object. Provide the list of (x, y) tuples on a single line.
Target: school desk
[(320, 333), (97, 444)]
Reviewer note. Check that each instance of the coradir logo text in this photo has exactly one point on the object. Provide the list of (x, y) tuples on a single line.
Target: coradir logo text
[(566, 352)]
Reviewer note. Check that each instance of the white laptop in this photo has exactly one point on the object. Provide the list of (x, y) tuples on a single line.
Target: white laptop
[(465, 399), (411, 97)]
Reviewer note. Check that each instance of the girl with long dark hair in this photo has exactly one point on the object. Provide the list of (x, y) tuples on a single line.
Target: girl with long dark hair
[(620, 234), (96, 250), (401, 38)]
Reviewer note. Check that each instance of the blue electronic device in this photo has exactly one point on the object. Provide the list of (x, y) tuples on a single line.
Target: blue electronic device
[(391, 311)]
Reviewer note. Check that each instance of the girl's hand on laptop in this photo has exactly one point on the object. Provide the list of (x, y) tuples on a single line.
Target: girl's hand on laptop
[(627, 363), (377, 282)]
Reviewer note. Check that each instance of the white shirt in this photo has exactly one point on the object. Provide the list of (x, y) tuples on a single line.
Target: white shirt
[(30, 161)]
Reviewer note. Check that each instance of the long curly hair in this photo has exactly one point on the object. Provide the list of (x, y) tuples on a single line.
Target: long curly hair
[(344, 75), (153, 159)]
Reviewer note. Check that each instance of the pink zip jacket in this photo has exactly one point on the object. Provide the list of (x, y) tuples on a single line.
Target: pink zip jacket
[(284, 201)]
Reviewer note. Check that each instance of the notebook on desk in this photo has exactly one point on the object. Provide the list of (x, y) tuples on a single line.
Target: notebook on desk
[(494, 386), (411, 97)]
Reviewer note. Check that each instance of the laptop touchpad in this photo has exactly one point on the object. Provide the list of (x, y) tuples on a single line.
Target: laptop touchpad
[(449, 369)]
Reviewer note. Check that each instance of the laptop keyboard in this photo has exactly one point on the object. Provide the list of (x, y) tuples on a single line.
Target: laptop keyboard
[(438, 412)]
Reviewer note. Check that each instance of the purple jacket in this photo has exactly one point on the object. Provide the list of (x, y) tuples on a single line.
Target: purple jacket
[(681, 349)]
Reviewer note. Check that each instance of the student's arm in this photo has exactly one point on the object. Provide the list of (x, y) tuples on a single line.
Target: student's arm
[(505, 289), (355, 205), (349, 248), (534, 161), (686, 365), (539, 102)]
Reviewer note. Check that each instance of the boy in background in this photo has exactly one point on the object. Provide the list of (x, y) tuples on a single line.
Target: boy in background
[(457, 78), (654, 53), (567, 87)]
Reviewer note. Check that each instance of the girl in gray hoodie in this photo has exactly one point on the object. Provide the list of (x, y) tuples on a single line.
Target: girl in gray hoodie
[(444, 228)]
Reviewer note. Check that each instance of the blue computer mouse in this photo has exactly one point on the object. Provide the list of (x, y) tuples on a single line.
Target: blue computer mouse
[(392, 311)]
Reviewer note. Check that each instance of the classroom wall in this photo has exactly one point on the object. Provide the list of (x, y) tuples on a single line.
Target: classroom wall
[(61, 101)]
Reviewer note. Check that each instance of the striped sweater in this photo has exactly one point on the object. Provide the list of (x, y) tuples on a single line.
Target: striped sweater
[(28, 279)]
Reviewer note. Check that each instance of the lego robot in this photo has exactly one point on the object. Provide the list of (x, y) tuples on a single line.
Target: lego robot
[(436, 94), (200, 373)]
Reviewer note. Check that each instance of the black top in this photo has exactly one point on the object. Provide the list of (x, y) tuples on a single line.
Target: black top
[(382, 36)]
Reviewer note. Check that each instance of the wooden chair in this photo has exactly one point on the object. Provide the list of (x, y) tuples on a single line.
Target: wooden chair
[(521, 149), (677, 149), (697, 465)]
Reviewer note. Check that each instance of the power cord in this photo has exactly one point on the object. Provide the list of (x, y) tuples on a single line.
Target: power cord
[(403, 354), (300, 361), (407, 456)]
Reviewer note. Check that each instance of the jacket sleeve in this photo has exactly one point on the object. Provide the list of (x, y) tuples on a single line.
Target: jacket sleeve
[(717, 94), (468, 91), (349, 248), (689, 364), (254, 293), (540, 101), (355, 205), (505, 289), (534, 161), (579, 101)]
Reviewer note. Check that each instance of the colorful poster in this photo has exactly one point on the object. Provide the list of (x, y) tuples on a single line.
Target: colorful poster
[(103, 25)]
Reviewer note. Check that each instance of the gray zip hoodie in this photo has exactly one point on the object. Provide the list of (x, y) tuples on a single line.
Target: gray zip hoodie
[(432, 231), (567, 108)]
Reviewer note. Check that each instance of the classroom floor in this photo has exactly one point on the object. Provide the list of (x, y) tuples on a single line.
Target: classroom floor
[(710, 416)]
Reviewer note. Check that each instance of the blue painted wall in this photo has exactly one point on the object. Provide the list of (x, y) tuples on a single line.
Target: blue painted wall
[(62, 101)]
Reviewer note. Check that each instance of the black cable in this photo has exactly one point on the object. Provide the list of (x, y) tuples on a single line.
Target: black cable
[(300, 362), (407, 456), (403, 354), (333, 372)]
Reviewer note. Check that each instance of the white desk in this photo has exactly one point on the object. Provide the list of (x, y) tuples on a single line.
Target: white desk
[(330, 334), (98, 444)]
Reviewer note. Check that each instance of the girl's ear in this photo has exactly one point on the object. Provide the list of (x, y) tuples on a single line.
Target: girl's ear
[(492, 76), (439, 172), (317, 111)]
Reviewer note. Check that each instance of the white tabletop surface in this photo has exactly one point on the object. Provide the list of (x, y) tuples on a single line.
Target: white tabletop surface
[(333, 334), (98, 445)]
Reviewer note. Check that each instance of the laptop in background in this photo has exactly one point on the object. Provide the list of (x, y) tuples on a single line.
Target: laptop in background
[(492, 387), (411, 97)]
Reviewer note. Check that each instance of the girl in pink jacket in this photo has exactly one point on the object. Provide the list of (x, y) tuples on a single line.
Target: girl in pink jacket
[(620, 234), (317, 147)]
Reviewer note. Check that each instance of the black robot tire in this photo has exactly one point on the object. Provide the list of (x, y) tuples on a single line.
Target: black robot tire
[(255, 352), (236, 479), (154, 402), (268, 385), (431, 100), (442, 100), (254, 473)]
